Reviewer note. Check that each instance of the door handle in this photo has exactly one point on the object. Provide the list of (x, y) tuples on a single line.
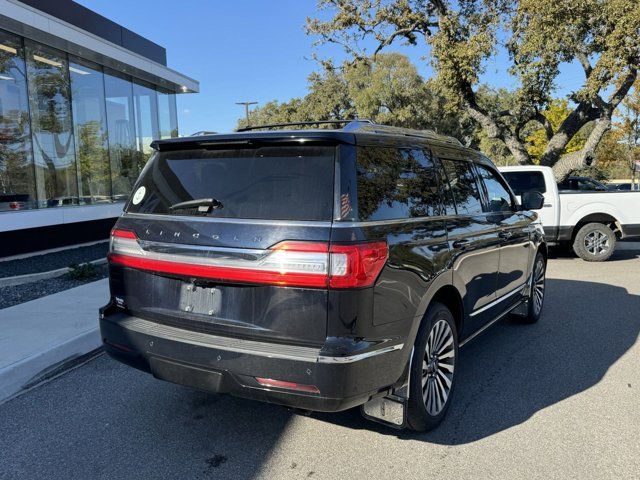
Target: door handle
[(461, 244), (505, 235)]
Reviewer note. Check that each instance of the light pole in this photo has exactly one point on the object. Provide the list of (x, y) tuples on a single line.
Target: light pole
[(246, 108)]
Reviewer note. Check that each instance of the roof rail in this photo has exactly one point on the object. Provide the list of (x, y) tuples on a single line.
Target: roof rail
[(407, 132), (363, 126), (345, 122)]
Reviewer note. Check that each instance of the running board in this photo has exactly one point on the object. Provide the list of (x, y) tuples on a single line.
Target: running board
[(521, 304)]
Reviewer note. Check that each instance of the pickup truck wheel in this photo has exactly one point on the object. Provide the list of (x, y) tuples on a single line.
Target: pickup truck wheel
[(432, 369), (595, 242)]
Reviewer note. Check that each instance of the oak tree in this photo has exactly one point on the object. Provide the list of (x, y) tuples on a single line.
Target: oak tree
[(462, 37)]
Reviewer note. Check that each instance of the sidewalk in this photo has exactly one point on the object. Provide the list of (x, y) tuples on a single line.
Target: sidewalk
[(38, 335)]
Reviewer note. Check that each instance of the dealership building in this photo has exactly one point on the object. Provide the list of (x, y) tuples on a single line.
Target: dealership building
[(81, 99)]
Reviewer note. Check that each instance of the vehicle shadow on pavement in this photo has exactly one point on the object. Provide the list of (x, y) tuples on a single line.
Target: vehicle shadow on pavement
[(106, 420), (514, 370), (622, 252)]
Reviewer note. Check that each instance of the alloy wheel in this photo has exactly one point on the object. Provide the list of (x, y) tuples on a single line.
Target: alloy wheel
[(438, 367), (596, 242), (538, 286)]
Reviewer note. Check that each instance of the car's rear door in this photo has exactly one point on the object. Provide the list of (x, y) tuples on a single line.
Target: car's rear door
[(247, 261), (474, 241)]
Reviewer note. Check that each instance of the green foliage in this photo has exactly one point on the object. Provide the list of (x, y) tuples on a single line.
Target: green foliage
[(387, 90), (82, 271), (556, 113), (463, 37)]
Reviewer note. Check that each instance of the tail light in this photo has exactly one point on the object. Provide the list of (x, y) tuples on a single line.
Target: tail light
[(288, 263)]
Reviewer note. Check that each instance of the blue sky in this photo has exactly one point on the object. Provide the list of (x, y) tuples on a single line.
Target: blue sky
[(244, 50)]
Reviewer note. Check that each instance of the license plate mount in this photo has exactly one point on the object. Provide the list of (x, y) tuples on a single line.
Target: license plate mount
[(200, 300)]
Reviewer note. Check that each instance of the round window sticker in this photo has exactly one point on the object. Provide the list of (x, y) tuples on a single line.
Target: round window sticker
[(139, 195)]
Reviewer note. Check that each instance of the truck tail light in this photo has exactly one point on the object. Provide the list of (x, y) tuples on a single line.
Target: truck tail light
[(288, 263)]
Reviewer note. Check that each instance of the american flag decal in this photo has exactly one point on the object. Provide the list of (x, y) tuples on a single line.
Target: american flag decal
[(345, 205)]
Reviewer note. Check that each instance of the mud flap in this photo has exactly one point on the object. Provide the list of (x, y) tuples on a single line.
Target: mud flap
[(390, 410), (522, 310)]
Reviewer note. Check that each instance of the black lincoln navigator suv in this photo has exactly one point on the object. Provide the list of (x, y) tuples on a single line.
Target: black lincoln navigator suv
[(319, 269)]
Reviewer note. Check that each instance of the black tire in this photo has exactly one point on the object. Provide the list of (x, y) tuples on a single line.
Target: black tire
[(536, 295), (594, 242), (422, 415)]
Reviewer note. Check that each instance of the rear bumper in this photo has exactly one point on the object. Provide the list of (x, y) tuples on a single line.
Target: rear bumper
[(226, 365)]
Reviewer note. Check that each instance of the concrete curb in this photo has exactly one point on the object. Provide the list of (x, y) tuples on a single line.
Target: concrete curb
[(30, 370), (34, 277)]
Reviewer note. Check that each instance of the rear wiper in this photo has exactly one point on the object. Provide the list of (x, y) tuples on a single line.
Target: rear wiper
[(202, 204)]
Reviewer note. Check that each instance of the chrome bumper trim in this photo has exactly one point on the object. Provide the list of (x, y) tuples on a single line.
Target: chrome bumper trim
[(249, 347), (360, 356)]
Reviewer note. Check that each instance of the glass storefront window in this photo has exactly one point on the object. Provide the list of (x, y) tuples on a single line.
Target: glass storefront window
[(52, 131), (122, 135), (146, 111), (167, 114), (17, 181), (72, 131), (90, 129)]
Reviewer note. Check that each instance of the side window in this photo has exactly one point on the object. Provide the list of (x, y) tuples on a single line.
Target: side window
[(396, 183), (464, 187), (498, 197)]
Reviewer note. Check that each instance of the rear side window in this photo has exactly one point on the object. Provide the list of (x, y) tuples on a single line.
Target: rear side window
[(463, 185), (396, 183), (277, 183), (522, 182)]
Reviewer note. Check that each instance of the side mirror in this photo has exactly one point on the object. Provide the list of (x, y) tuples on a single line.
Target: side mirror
[(532, 201)]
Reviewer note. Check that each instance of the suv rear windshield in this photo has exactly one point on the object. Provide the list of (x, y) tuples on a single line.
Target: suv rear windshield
[(278, 183)]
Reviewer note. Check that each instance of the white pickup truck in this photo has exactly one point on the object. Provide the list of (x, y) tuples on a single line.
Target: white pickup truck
[(591, 222)]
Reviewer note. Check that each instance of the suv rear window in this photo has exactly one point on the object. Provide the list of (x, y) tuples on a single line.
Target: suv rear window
[(277, 183)]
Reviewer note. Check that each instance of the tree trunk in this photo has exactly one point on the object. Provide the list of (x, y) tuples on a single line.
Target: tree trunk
[(494, 130), (577, 119), (517, 149), (584, 157)]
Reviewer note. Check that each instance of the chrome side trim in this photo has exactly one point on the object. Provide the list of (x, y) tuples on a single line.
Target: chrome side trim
[(360, 356), (498, 300), (249, 347), (243, 221), (373, 223), (475, 334)]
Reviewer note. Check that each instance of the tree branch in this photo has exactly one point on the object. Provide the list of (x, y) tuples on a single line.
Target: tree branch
[(546, 124), (400, 32), (586, 156), (578, 118), (617, 96), (586, 65)]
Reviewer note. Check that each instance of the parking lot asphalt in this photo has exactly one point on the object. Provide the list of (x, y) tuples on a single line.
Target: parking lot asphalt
[(559, 399)]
